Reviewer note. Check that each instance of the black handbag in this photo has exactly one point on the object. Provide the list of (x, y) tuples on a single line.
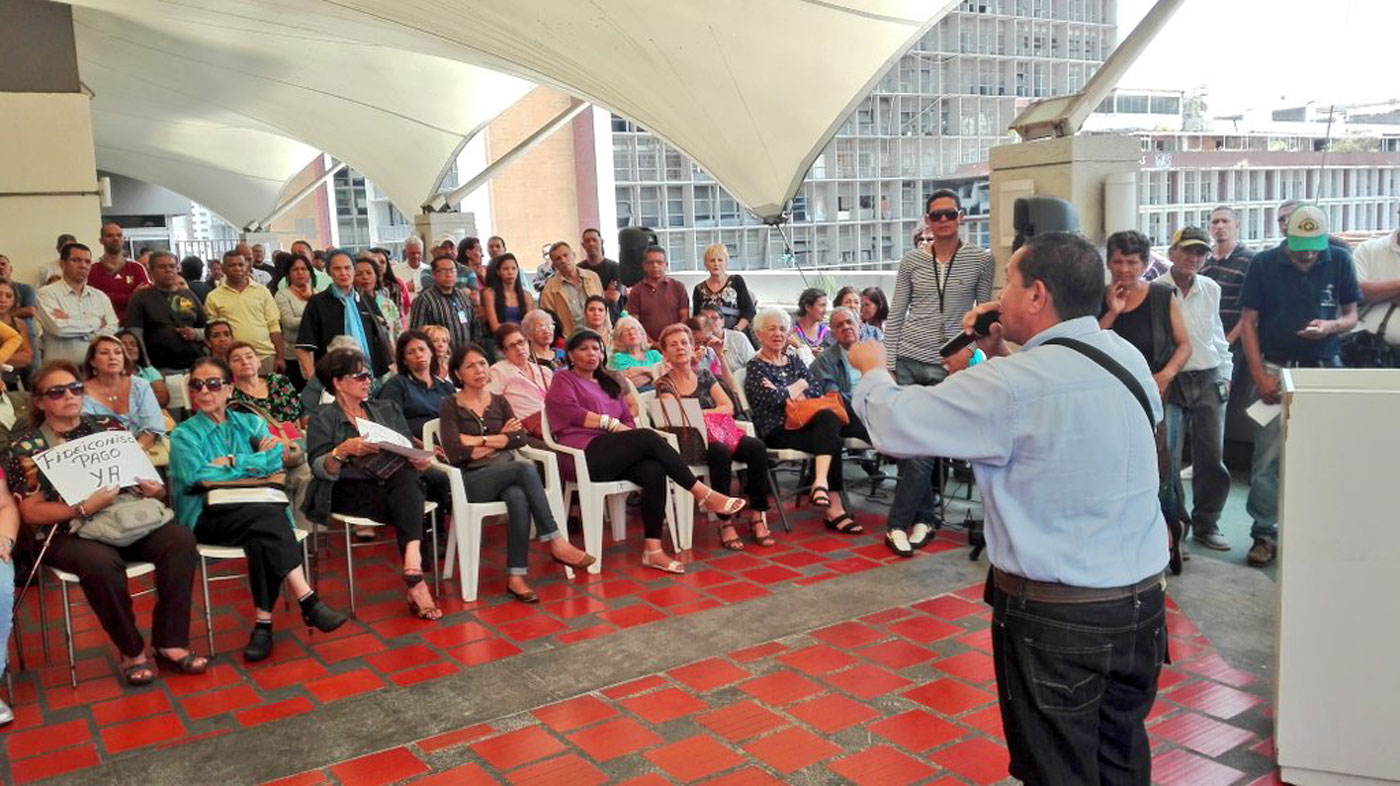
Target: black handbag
[(1364, 349), (690, 443)]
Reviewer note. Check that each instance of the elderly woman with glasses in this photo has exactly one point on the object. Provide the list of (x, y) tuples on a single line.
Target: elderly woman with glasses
[(353, 476), (539, 329), (523, 384), (630, 354), (776, 376), (56, 418), (588, 411), (218, 445)]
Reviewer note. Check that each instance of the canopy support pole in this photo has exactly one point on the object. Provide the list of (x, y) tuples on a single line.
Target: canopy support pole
[(291, 202), (443, 201)]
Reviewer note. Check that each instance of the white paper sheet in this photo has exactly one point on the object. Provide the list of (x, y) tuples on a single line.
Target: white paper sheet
[(1263, 413), (389, 440), (81, 466)]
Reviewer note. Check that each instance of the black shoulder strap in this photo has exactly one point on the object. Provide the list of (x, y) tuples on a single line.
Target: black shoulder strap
[(1113, 367)]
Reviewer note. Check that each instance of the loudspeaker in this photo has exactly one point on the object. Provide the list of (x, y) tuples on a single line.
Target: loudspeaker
[(1037, 215), (632, 243)]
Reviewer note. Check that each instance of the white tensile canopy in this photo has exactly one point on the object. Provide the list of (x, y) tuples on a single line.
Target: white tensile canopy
[(220, 98)]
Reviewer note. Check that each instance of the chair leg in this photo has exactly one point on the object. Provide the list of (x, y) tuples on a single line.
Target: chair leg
[(350, 567), (43, 616), (778, 498), (437, 572), (470, 556), (208, 612), (591, 511), (617, 515), (68, 634)]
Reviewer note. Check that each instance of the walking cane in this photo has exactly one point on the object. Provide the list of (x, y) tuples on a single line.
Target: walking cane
[(19, 599)]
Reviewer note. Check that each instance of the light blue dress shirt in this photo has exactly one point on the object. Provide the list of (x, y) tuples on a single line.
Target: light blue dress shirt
[(1060, 448), (142, 410)]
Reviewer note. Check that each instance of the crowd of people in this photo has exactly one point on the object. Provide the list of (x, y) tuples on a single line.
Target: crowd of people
[(280, 359)]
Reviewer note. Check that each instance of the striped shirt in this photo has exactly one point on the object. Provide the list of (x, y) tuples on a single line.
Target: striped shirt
[(453, 312), (930, 300), (1229, 274)]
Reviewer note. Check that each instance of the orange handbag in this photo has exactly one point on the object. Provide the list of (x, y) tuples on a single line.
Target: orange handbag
[(800, 413)]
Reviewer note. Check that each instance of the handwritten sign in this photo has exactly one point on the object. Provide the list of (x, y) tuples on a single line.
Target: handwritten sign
[(82, 466)]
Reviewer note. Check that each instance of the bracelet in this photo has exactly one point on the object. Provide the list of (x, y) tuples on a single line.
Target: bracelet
[(82, 512), (605, 422), (8, 541)]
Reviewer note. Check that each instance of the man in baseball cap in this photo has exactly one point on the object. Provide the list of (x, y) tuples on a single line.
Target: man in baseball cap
[(1298, 298)]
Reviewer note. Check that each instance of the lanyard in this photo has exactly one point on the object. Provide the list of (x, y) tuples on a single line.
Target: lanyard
[(942, 284)]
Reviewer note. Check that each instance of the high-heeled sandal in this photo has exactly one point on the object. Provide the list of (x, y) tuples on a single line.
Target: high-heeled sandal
[(669, 565), (763, 540), (734, 505), (189, 664), (818, 497), (430, 612), (733, 543)]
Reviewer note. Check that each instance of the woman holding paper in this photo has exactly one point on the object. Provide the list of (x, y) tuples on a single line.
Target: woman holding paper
[(56, 417), (218, 445), (479, 435), (354, 475)]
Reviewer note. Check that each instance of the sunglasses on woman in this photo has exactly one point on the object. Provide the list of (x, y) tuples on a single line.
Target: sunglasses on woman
[(57, 392), (942, 215), (213, 385), (359, 376)]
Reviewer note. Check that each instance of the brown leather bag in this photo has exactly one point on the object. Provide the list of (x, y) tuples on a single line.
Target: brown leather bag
[(800, 413)]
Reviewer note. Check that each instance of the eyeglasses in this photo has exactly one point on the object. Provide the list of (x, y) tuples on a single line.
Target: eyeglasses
[(57, 392), (517, 344), (359, 376), (942, 215), (213, 385)]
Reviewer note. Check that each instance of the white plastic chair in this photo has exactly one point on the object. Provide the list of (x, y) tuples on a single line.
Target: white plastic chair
[(207, 552), (133, 570), (464, 535), (351, 522)]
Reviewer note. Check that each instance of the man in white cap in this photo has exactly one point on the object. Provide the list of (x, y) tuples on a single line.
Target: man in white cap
[(1298, 299)]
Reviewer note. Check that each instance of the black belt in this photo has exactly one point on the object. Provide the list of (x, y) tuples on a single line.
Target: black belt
[(1050, 592), (1326, 363)]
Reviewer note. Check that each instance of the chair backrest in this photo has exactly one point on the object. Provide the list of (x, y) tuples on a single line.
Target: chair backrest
[(671, 411), (431, 431), (178, 387), (740, 374)]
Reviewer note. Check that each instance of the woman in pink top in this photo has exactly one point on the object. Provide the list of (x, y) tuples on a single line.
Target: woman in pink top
[(587, 410), (519, 381)]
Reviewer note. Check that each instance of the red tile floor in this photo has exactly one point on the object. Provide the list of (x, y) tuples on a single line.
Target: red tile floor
[(901, 696)]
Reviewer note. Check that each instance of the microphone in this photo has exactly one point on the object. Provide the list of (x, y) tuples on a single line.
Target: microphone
[(981, 328)]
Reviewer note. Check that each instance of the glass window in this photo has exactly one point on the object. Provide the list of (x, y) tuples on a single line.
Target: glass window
[(704, 206), (675, 206), (1166, 105)]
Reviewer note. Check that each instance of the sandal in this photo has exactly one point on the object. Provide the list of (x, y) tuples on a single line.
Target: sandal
[(766, 539), (580, 564), (190, 664), (818, 497), (733, 542), (412, 579), (844, 524), (138, 674), (729, 508), (665, 564)]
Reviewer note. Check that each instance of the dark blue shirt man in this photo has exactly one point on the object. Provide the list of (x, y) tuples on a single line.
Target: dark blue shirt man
[(1298, 299)]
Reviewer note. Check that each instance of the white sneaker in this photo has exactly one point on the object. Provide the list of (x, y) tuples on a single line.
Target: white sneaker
[(919, 534), (7, 715)]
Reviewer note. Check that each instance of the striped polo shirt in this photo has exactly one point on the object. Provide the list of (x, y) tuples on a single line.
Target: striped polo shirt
[(1229, 274), (930, 300)]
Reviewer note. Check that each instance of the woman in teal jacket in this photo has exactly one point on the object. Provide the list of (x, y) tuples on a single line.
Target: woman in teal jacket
[(221, 445)]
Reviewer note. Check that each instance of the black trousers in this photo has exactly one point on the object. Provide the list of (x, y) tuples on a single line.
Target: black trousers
[(101, 571), (643, 457), (821, 437), (1075, 682), (751, 451), (266, 537), (397, 502)]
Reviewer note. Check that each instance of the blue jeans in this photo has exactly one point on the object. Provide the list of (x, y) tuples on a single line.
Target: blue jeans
[(7, 604), (916, 491), (1075, 682), (1262, 504), (1199, 396)]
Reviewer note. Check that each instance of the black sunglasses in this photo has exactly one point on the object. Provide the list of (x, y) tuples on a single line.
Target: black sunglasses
[(57, 392), (943, 215), (212, 385), (359, 376)]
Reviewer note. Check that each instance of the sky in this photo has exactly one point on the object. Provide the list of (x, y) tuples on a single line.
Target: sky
[(1260, 54)]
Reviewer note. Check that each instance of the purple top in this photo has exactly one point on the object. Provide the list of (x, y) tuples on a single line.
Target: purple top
[(572, 397)]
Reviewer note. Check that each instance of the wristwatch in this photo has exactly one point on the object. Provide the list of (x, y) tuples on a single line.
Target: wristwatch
[(336, 456)]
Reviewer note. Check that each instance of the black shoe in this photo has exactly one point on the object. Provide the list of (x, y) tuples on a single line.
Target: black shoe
[(322, 617), (259, 644)]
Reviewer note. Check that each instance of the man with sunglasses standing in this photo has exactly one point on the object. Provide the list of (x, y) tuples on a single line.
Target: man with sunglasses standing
[(938, 281)]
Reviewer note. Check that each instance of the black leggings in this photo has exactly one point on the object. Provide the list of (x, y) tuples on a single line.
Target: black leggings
[(750, 451), (267, 538), (820, 437), (397, 501), (644, 458)]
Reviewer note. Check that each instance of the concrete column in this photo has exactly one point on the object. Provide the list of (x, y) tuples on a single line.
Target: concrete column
[(48, 171), (430, 227), (1073, 168)]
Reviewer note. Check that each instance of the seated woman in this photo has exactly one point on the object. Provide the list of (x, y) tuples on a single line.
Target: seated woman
[(441, 340), (685, 381), (523, 384), (418, 393), (220, 444), (385, 488), (55, 418), (23, 354), (140, 366), (504, 298), (271, 392), (597, 318), (587, 411), (9, 530), (874, 310), (539, 329), (111, 390), (479, 431), (808, 334), (630, 354), (776, 376)]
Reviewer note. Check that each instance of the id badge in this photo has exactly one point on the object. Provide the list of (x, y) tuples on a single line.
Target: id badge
[(461, 317)]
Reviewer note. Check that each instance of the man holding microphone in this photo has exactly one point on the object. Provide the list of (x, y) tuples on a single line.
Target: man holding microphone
[(1061, 442)]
